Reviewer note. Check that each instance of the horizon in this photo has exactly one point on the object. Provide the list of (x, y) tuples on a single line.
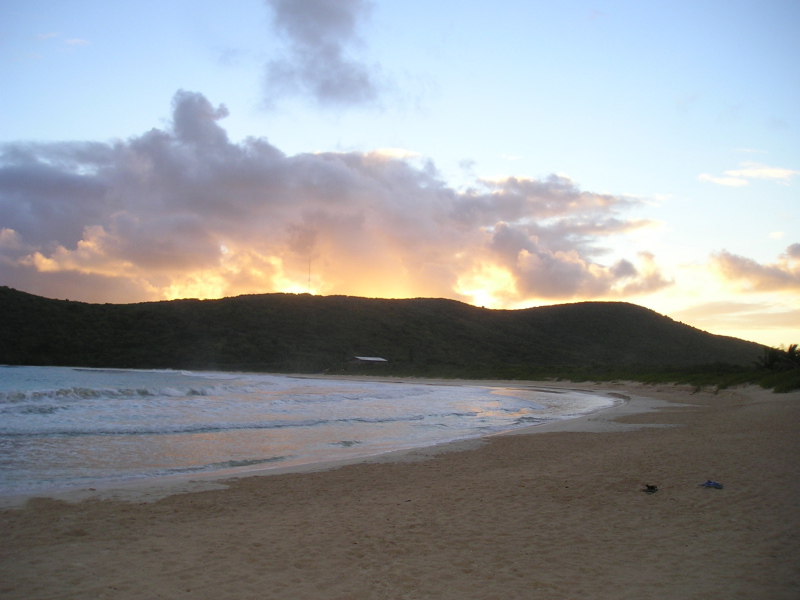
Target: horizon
[(510, 157)]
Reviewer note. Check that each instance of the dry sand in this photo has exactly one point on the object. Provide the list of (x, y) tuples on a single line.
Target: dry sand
[(554, 514)]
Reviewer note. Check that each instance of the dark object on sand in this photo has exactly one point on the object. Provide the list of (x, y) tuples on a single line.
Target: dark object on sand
[(650, 489), (711, 484)]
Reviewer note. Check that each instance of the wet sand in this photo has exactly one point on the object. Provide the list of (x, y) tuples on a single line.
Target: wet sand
[(554, 512)]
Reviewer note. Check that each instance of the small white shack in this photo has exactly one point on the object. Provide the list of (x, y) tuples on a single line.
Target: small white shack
[(367, 360)]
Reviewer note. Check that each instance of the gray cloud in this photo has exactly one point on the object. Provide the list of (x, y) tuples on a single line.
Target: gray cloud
[(183, 211), (318, 35), (194, 120), (45, 194)]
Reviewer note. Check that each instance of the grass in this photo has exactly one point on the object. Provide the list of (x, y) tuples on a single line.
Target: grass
[(715, 376)]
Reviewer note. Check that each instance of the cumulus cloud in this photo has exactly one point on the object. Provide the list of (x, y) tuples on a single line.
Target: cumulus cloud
[(318, 35), (184, 212), (752, 276), (748, 171)]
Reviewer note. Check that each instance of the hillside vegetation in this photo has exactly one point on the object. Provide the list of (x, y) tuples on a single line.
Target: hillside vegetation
[(304, 333)]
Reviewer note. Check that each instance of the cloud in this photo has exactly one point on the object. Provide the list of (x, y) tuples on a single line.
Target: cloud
[(740, 315), (184, 212), (750, 170), (755, 277), (750, 150), (727, 181), (317, 36), (71, 42)]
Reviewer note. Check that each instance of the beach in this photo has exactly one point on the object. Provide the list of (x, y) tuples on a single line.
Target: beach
[(553, 512)]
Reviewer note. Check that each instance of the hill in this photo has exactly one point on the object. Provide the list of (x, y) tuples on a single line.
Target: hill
[(304, 333)]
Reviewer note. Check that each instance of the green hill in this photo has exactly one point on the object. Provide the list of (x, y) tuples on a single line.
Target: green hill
[(304, 333)]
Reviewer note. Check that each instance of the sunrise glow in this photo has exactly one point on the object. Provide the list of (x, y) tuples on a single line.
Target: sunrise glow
[(443, 153), (487, 285)]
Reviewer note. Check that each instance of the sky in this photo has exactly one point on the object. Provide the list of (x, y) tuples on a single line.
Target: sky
[(506, 154)]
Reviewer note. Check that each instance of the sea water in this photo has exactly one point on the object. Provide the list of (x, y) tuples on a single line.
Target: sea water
[(63, 428)]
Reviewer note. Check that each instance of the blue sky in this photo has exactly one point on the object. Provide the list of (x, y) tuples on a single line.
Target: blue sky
[(540, 153)]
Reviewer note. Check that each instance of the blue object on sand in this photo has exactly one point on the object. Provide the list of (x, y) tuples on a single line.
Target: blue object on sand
[(711, 484)]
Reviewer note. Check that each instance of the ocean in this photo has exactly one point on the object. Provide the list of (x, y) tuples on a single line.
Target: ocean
[(68, 428)]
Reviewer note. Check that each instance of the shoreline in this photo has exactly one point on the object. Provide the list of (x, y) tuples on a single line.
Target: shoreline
[(554, 512), (151, 489)]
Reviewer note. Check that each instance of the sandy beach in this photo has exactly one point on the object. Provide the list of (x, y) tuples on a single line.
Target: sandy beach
[(553, 512)]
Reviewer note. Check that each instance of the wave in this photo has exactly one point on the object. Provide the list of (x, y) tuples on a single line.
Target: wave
[(97, 393), (531, 421), (266, 390), (230, 464), (102, 429)]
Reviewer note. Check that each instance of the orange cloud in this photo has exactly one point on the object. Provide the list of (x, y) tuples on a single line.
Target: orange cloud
[(183, 211), (752, 276)]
